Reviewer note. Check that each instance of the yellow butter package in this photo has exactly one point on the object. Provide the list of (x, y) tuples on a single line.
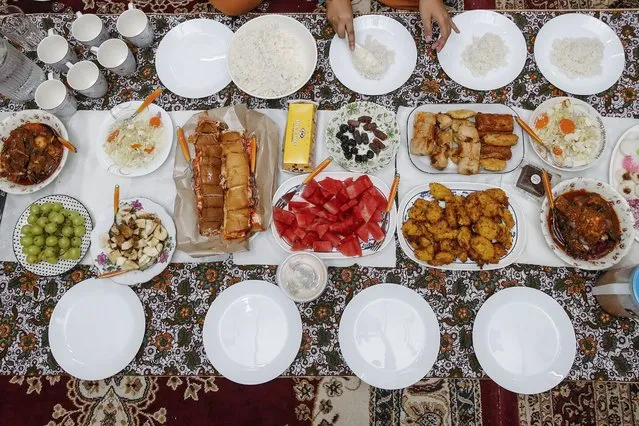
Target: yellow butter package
[(299, 138)]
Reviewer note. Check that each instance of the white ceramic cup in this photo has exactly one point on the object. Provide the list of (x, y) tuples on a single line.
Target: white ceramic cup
[(54, 51), (115, 56), (85, 77), (89, 30), (53, 96), (134, 25)]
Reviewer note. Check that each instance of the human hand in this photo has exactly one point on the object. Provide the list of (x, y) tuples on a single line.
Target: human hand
[(434, 10), (340, 14)]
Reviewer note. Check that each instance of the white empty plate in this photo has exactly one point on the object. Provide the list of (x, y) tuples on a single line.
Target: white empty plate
[(389, 336), (96, 329), (252, 332), (524, 340), (577, 25), (474, 24), (191, 59), (391, 34)]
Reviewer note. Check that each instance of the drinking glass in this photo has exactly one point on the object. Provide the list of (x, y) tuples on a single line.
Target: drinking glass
[(19, 28), (19, 75)]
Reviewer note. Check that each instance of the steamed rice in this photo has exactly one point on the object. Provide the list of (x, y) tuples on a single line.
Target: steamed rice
[(485, 54), (578, 57), (266, 60), (372, 60)]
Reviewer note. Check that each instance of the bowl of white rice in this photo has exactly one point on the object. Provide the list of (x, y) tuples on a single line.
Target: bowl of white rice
[(272, 56)]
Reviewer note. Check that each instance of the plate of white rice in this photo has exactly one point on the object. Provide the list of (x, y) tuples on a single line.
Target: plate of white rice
[(579, 54), (488, 53), (272, 56), (383, 60)]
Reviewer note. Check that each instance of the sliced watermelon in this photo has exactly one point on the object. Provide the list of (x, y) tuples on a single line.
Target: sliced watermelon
[(325, 193), (362, 233), (322, 229), (359, 186), (376, 232), (331, 217), (317, 199), (350, 247), (289, 236), (310, 189), (309, 239), (376, 193), (295, 206), (330, 185), (280, 227), (348, 181), (366, 208), (298, 246), (348, 206), (377, 216), (304, 219), (332, 206), (283, 216), (342, 196), (299, 233), (322, 246), (335, 240)]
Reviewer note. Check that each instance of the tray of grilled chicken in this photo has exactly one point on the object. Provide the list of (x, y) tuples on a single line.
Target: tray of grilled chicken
[(465, 139)]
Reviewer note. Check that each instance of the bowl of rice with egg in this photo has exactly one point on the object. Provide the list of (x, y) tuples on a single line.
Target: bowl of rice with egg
[(572, 130), (272, 56)]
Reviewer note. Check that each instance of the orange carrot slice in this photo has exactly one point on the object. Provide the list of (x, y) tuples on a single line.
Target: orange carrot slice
[(557, 150), (114, 134), (136, 146), (567, 126), (149, 150), (155, 121)]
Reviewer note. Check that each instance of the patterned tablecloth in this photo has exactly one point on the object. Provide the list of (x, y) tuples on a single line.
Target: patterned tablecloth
[(176, 302)]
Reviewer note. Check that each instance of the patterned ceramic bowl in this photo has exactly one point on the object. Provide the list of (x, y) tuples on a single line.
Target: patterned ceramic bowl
[(17, 119), (619, 204)]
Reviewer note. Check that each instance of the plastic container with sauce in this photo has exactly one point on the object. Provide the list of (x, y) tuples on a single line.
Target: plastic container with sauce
[(617, 291)]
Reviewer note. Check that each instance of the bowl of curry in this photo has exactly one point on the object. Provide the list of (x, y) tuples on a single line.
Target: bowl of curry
[(31, 156), (594, 224)]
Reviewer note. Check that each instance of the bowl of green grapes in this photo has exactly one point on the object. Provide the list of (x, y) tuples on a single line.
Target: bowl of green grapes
[(52, 235)]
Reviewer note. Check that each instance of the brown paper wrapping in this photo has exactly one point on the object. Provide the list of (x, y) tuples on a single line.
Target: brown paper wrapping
[(238, 118)]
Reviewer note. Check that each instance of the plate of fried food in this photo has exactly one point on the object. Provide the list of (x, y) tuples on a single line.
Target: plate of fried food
[(465, 139), (222, 193), (31, 155), (464, 226)]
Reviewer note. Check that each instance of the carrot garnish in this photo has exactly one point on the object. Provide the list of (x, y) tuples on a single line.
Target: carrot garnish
[(155, 121), (136, 146), (114, 134), (557, 151), (149, 150), (542, 121), (567, 126)]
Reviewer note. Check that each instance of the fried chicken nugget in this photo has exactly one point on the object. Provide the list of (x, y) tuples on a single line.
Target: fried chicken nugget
[(487, 228), (463, 219), (498, 195), (411, 229), (505, 237), (450, 213), (441, 231), (500, 251), (483, 248), (425, 254), (442, 258), (463, 237), (507, 217), (440, 192)]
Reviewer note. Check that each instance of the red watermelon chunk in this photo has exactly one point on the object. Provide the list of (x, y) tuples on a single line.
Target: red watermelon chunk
[(330, 185), (342, 196), (283, 216), (299, 233), (377, 216), (317, 199), (359, 186), (309, 239), (331, 217), (348, 206), (362, 233), (280, 227), (295, 206), (350, 247), (332, 206), (289, 236), (304, 219), (310, 189), (325, 193), (322, 246), (366, 208), (298, 246), (376, 231), (322, 229), (335, 240), (374, 192), (348, 181)]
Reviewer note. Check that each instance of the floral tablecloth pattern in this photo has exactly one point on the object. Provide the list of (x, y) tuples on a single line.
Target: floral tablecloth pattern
[(176, 301)]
